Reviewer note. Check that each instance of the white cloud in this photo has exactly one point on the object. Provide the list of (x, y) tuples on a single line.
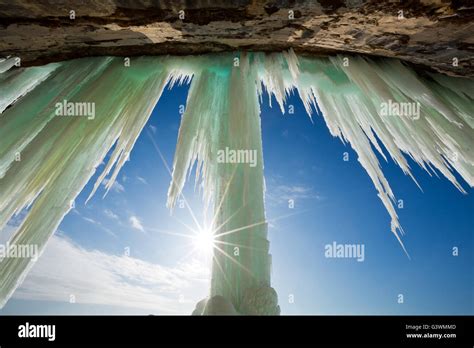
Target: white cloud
[(116, 186), (286, 192), (142, 180), (136, 223), (92, 221), (98, 223), (110, 214), (96, 277)]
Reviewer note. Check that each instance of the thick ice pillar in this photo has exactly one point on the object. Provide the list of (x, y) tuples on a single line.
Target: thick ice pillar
[(221, 130), (241, 262)]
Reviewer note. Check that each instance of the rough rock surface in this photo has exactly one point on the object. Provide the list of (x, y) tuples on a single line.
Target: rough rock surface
[(260, 301), (431, 33), (255, 301), (216, 305)]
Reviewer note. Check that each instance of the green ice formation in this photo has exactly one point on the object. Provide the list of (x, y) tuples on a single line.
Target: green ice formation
[(50, 146)]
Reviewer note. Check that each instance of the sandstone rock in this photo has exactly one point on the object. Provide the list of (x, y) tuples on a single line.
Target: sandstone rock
[(260, 301), (216, 305), (431, 33)]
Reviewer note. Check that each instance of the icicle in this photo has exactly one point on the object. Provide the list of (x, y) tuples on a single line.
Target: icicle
[(46, 160), (60, 153), (15, 84), (7, 63), (350, 99)]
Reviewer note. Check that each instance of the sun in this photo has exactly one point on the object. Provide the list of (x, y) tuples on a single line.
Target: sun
[(204, 241)]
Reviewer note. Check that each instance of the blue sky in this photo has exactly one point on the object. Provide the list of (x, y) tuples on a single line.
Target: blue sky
[(116, 254)]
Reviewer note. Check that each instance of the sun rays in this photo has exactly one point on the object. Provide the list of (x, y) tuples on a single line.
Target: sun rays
[(205, 239)]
